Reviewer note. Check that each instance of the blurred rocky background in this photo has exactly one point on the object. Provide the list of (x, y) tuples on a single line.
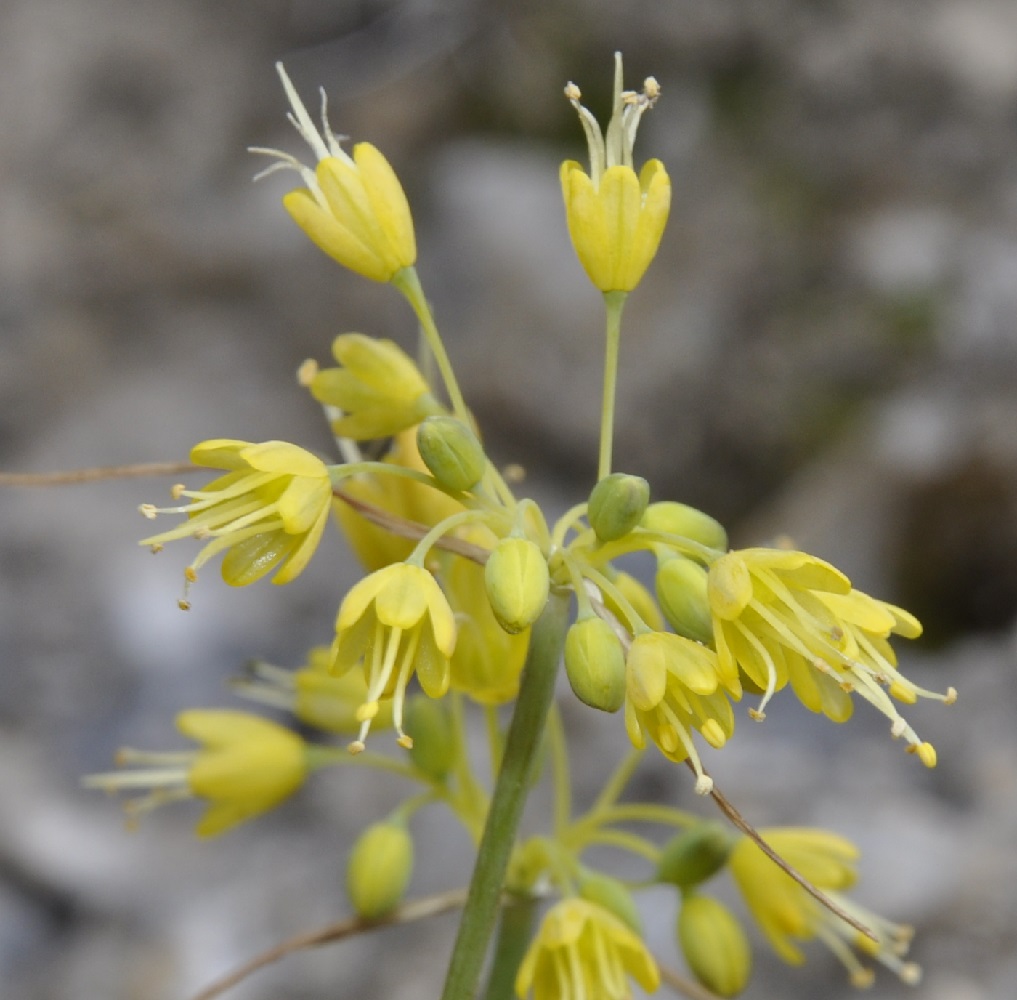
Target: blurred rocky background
[(826, 347)]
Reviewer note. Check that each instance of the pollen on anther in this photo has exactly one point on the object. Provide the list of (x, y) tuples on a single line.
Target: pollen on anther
[(184, 605), (357, 746), (306, 372), (704, 784), (177, 490), (651, 88), (951, 696), (148, 510), (190, 575), (755, 714), (406, 742), (155, 548), (572, 92)]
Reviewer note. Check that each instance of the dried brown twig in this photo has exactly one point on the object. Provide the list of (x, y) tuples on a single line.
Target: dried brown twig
[(75, 477)]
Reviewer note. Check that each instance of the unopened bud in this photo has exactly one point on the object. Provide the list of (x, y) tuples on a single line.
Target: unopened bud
[(609, 893), (379, 869), (517, 583), (695, 855), (595, 664), (680, 519), (681, 592), (452, 453), (434, 744), (617, 505), (714, 945)]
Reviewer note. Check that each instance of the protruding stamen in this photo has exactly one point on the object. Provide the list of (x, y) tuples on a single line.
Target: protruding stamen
[(148, 510), (306, 372), (355, 747)]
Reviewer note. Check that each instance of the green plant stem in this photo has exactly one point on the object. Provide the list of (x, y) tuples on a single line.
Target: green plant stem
[(514, 931), (522, 746), (614, 301)]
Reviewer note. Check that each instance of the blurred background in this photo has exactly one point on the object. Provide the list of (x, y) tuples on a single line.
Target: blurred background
[(825, 347)]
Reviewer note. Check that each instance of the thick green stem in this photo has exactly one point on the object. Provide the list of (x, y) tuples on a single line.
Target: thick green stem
[(514, 931), (522, 746), (614, 302)]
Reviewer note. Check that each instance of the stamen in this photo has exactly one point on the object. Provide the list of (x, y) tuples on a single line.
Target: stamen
[(300, 118)]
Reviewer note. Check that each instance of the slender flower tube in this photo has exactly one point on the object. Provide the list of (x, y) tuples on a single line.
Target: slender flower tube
[(396, 621), (246, 766), (615, 216), (267, 512), (352, 207), (583, 950), (786, 913)]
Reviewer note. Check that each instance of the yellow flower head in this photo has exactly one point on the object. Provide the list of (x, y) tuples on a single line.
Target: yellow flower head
[(246, 766), (671, 689), (780, 615), (583, 950), (378, 389), (268, 511), (352, 207), (786, 913), (615, 217), (396, 621)]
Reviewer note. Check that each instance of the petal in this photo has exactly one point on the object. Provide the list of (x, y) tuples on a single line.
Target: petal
[(220, 453), (646, 671), (403, 601), (300, 504), (251, 558), (305, 548), (284, 459), (729, 586), (388, 201)]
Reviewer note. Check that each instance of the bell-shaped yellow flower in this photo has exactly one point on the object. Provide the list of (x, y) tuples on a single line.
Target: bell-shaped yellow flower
[(246, 766), (787, 914), (267, 512), (671, 689), (397, 622), (781, 615), (583, 950), (378, 389), (352, 207), (615, 217)]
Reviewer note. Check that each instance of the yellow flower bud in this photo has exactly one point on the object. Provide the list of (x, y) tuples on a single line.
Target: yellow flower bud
[(695, 855), (517, 583), (714, 945), (595, 664), (451, 452), (681, 592), (674, 518), (617, 504), (434, 745), (611, 894), (379, 869)]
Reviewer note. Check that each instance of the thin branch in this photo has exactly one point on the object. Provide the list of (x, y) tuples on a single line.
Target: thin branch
[(729, 810), (686, 987), (417, 909), (76, 476)]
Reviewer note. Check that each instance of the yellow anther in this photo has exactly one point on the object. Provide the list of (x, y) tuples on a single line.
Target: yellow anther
[(184, 605), (406, 742), (862, 979), (306, 372), (572, 92), (910, 973), (927, 754), (177, 490), (951, 696), (148, 510), (903, 692), (190, 575), (357, 746), (155, 549), (755, 714)]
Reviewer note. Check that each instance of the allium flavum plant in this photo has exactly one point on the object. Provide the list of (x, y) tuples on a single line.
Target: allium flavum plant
[(471, 599)]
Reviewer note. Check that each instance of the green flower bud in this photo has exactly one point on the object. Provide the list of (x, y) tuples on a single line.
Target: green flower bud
[(517, 583), (451, 452), (695, 855), (379, 869), (595, 664), (681, 592), (681, 519), (714, 945), (617, 505), (427, 722), (613, 896)]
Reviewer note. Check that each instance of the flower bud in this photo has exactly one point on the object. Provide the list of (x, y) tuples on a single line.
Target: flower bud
[(681, 592), (695, 855), (451, 452), (681, 519), (379, 869), (595, 664), (714, 945), (517, 583), (611, 894), (617, 505), (434, 746)]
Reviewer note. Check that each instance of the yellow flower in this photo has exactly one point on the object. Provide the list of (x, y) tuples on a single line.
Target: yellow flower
[(671, 689), (268, 511), (353, 207), (378, 389), (247, 765), (583, 951), (786, 913), (398, 622), (615, 217), (780, 615)]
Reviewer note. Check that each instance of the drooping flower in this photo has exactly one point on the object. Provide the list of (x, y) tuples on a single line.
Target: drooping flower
[(615, 217), (584, 951), (787, 914), (246, 766), (397, 622), (352, 207), (267, 512), (672, 687), (781, 615)]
